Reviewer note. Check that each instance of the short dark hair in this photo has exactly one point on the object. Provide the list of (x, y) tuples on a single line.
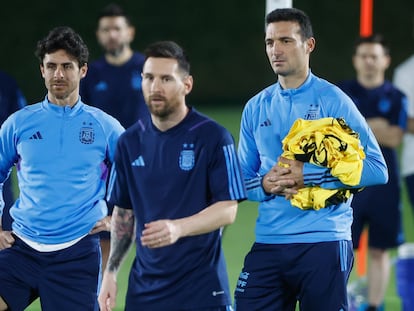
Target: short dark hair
[(292, 15), (169, 49), (374, 38), (114, 10), (63, 38)]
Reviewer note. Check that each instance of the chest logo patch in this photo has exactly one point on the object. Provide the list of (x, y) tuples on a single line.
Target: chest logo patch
[(384, 105), (187, 157), (312, 113), (86, 135)]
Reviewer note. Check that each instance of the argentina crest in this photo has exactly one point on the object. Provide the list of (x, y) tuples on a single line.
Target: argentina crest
[(86, 135), (187, 157)]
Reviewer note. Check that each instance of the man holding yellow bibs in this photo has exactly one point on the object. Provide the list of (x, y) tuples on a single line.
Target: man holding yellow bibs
[(300, 255)]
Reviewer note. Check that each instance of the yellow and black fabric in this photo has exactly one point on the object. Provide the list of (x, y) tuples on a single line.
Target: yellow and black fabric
[(327, 142)]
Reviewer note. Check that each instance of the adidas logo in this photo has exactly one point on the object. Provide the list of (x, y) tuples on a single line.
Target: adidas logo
[(36, 135), (266, 123), (138, 162)]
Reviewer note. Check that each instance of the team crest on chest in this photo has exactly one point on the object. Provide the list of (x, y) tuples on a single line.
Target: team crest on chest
[(86, 135), (187, 157), (312, 113)]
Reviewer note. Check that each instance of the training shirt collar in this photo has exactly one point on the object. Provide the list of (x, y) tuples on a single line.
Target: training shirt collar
[(46, 104)]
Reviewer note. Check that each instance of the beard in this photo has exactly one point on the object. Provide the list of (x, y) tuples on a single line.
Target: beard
[(115, 50), (161, 112)]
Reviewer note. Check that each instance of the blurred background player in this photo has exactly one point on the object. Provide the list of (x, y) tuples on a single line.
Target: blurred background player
[(403, 79), (113, 82), (11, 100), (379, 207)]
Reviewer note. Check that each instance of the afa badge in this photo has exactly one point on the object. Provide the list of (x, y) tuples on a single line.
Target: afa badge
[(86, 135), (187, 157)]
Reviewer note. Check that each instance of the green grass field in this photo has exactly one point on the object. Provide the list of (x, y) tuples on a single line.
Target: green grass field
[(239, 236)]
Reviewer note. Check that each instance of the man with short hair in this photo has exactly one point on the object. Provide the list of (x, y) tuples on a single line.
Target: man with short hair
[(176, 183), (301, 254), (113, 82), (61, 148), (379, 207)]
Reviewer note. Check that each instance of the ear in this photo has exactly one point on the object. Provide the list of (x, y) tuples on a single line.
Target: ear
[(83, 70), (354, 60), (42, 70), (131, 31), (310, 44), (387, 61), (188, 84)]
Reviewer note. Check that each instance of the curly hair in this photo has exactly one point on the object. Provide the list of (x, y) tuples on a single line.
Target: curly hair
[(63, 38)]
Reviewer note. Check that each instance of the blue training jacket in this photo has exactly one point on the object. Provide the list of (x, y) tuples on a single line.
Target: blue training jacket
[(266, 120), (62, 156)]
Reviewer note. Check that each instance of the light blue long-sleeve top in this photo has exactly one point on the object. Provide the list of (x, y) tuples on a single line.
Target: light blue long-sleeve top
[(266, 120), (62, 156)]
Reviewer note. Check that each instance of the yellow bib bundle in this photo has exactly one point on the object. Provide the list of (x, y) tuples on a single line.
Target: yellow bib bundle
[(327, 142)]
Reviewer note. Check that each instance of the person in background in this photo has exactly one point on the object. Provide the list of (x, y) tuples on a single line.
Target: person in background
[(176, 183), (61, 148), (403, 80), (113, 82), (300, 254), (385, 109), (11, 100)]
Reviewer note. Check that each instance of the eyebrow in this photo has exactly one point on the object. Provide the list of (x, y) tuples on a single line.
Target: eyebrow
[(63, 64)]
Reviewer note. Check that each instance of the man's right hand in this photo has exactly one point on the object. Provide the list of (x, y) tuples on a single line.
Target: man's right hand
[(107, 294), (6, 239)]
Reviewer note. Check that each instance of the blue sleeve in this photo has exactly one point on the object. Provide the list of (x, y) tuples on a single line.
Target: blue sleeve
[(8, 152), (116, 132), (374, 169), (250, 160), (1, 202), (225, 177), (403, 115), (8, 156), (117, 188)]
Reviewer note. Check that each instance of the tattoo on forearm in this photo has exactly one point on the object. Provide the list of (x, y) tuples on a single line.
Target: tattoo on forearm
[(122, 234)]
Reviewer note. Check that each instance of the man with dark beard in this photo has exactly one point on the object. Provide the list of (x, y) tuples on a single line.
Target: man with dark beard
[(113, 82)]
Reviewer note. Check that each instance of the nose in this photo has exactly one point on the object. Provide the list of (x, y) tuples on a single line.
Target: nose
[(59, 72), (276, 48), (156, 85), (273, 49), (113, 33)]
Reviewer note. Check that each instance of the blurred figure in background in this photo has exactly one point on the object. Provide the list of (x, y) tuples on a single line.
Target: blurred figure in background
[(403, 79), (379, 207), (113, 82), (11, 100)]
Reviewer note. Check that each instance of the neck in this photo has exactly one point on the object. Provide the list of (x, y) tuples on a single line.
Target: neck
[(119, 59), (370, 82), (293, 81), (165, 123), (70, 100)]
